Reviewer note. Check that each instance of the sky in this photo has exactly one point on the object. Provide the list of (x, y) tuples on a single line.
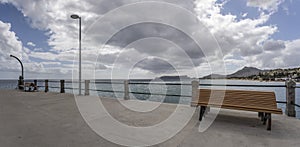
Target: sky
[(147, 39)]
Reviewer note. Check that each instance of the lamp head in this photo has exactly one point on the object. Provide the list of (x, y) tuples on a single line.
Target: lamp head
[(75, 16)]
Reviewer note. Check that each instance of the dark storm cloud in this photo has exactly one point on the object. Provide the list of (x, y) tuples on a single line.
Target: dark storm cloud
[(107, 59), (156, 66), (104, 6), (139, 31)]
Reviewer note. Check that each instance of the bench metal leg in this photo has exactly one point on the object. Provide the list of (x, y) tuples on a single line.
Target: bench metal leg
[(259, 114), (269, 121), (263, 118), (202, 111)]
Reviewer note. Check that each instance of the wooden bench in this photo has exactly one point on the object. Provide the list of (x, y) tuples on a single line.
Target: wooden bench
[(257, 101)]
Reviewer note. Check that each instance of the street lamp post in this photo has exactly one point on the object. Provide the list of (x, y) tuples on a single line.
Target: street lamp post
[(75, 16), (21, 78)]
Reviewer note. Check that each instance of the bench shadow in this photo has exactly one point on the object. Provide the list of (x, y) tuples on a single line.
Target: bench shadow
[(252, 126)]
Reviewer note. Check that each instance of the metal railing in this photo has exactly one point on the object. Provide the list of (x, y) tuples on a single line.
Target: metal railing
[(159, 83)]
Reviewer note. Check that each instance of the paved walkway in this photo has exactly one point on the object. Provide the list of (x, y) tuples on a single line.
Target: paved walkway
[(37, 119)]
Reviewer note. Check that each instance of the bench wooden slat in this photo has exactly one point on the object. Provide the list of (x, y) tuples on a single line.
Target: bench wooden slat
[(249, 103), (274, 111)]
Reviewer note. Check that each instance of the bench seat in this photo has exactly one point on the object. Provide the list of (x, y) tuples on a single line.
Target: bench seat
[(257, 101)]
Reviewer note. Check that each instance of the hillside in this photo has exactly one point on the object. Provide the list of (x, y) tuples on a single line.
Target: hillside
[(245, 72), (214, 76), (173, 78), (252, 73)]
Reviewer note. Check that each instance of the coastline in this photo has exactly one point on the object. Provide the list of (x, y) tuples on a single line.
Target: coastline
[(236, 79)]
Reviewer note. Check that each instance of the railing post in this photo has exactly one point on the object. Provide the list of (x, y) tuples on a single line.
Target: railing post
[(195, 91), (46, 86), (290, 98), (87, 87), (35, 84), (21, 83), (62, 86), (126, 90)]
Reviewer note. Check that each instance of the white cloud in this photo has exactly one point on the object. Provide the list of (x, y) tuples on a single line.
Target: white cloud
[(291, 55), (244, 36), (51, 63), (244, 15), (9, 43), (282, 57), (31, 44), (248, 39), (270, 5), (286, 10)]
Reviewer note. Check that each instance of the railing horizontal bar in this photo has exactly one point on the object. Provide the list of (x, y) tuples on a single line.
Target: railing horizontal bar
[(54, 81), (53, 87), (282, 102), (107, 82), (75, 82), (297, 105), (134, 83), (159, 94), (106, 90), (231, 85), (78, 88)]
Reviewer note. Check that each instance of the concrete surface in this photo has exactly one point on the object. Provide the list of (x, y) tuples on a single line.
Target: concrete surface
[(37, 119)]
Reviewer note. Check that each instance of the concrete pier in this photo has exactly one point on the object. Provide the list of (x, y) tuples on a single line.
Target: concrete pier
[(29, 119)]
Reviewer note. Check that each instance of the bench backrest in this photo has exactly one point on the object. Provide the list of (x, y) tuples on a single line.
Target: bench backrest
[(238, 98)]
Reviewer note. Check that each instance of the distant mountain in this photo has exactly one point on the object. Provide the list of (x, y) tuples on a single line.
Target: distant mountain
[(245, 72), (173, 78), (214, 76)]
